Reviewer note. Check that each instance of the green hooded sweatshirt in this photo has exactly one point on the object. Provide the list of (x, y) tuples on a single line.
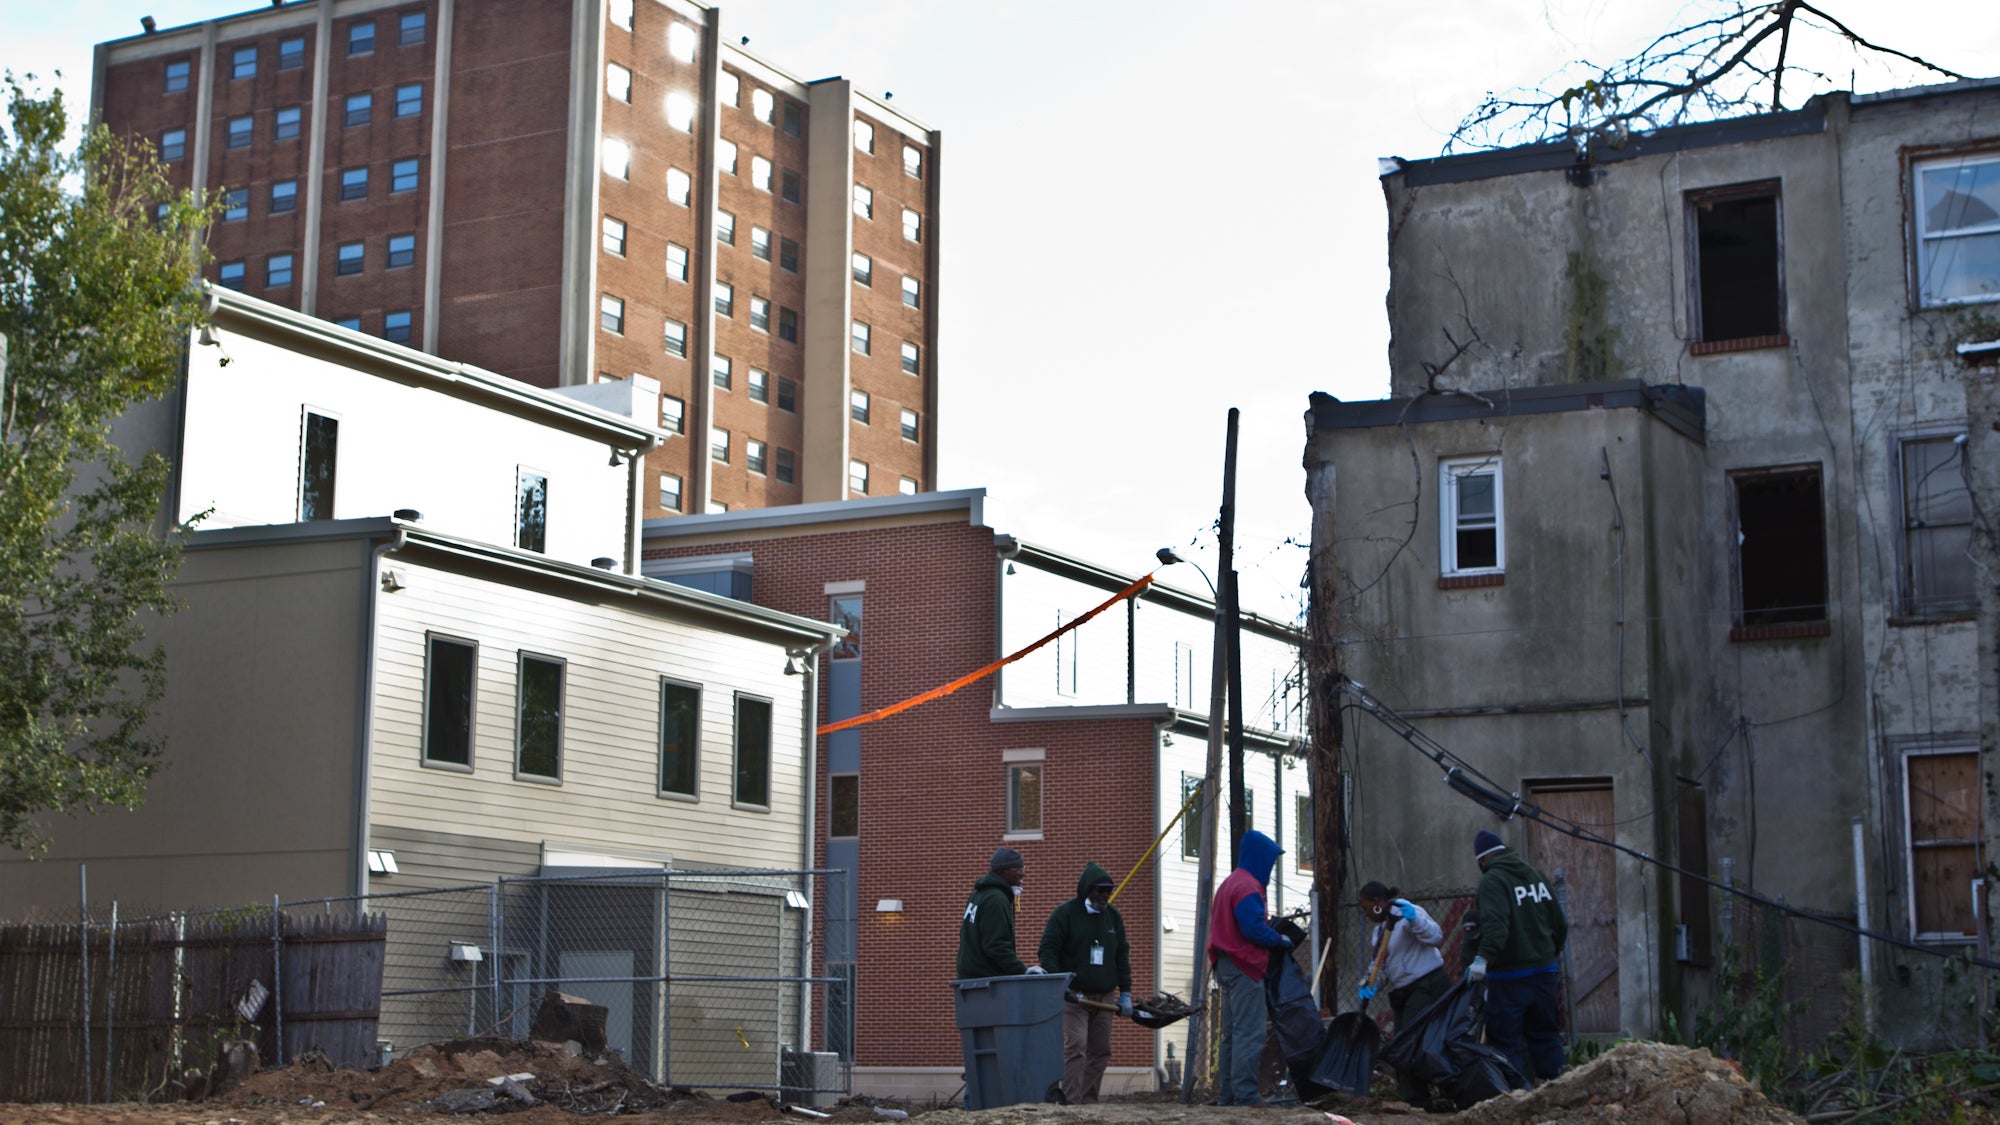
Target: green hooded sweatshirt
[(986, 934), (1521, 927), (1073, 930)]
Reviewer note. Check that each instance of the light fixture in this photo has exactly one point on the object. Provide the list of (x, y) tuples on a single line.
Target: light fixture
[(1166, 556), (1010, 568), (796, 900), (207, 338), (381, 862), (392, 581), (889, 906), (466, 952), (147, 23), (1168, 924)]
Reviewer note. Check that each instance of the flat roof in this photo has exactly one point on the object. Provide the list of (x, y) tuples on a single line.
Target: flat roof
[(971, 501), (1682, 408)]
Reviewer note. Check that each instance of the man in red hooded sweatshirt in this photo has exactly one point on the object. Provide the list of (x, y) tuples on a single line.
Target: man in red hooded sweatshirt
[(1240, 941)]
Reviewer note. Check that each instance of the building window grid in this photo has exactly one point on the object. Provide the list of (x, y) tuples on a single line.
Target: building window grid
[(617, 158), (1943, 839), (284, 196), (353, 184), (680, 726), (410, 30), (361, 37), (725, 228), (760, 173), (611, 314), (912, 358), (242, 130), (862, 336), (788, 325), (277, 271), (1957, 218), (912, 292), (1471, 517), (906, 486), (857, 476), (725, 299), (913, 226), (763, 105), (410, 100), (788, 395), (781, 464), (403, 176), (913, 162), (1025, 782), (243, 63), (753, 753), (753, 456), (864, 269), (286, 123), (676, 336), (176, 76), (760, 314), (617, 83), (760, 244), (402, 251), (864, 136), (396, 326), (673, 415), (858, 406), (614, 236), (759, 384), (788, 255), (350, 258), (359, 108), (718, 445), (864, 202), (670, 492), (721, 372), (230, 275), (677, 262), (911, 424), (680, 187), (291, 54), (538, 714), (173, 145), (789, 187), (725, 156), (451, 678)]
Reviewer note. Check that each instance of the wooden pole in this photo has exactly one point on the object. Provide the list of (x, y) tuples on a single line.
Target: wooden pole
[(1323, 677), (1228, 620)]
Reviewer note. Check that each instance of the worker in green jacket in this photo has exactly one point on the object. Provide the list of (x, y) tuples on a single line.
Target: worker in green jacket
[(986, 935), (1522, 930), (1085, 937)]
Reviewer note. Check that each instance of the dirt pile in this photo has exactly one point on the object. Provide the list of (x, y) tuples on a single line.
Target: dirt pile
[(1639, 1082)]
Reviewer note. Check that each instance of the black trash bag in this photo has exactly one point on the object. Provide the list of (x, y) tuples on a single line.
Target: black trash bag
[(1346, 1057), (1440, 1045), (1294, 1014)]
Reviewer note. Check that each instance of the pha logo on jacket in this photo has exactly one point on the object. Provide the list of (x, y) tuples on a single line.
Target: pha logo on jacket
[(971, 911), (1537, 893)]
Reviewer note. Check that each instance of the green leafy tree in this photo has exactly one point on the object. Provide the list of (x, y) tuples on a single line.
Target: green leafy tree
[(98, 293)]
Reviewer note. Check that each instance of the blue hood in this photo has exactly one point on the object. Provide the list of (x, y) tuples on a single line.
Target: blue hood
[(1256, 855)]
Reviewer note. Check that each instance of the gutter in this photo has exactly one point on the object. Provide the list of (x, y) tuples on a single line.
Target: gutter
[(809, 844), (364, 731)]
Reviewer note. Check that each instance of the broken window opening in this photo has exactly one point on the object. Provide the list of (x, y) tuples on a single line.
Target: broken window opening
[(1737, 271), (1780, 547)]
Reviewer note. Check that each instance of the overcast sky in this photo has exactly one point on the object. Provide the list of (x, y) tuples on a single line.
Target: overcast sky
[(1155, 210)]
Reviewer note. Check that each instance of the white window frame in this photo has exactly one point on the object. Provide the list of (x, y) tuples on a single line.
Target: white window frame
[(679, 494), (913, 162), (760, 174), (682, 41), (864, 136), (857, 477), (1449, 473), (680, 111), (1923, 238), (864, 270), (763, 104), (677, 262), (617, 83), (864, 201), (614, 236), (726, 156), (617, 158), (674, 339), (673, 414), (1966, 745), (1013, 761), (913, 226), (610, 309), (680, 187), (727, 87)]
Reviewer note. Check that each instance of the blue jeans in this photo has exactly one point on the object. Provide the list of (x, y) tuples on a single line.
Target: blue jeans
[(1243, 1029), (1521, 1021)]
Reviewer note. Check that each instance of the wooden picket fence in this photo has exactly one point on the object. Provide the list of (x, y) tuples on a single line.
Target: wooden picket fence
[(98, 1013)]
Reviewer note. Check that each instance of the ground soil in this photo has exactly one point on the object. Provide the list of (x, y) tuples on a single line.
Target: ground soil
[(1634, 1082)]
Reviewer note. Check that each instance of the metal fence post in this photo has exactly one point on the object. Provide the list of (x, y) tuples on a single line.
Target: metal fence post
[(493, 942), (110, 984), (667, 985), (278, 975), (83, 941)]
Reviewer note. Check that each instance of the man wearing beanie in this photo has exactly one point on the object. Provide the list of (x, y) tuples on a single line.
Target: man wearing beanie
[(1521, 936), (1240, 942), (986, 936)]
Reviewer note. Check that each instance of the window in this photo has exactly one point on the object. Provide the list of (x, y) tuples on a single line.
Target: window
[(1942, 796), (177, 76), (319, 462), (277, 271), (614, 236), (788, 254), (753, 455), (243, 63), (359, 108), (906, 486), (725, 228), (680, 111), (396, 326), (725, 299), (753, 751), (617, 83), (673, 415), (284, 196), (912, 358), (361, 37), (681, 40), (611, 314), (403, 176), (864, 269), (538, 712), (760, 385), (760, 244), (351, 323), (349, 258), (1024, 797), (410, 30), (843, 806), (913, 225), (857, 476), (788, 325), (912, 292), (680, 722), (161, 212), (677, 262), (794, 119), (1738, 292), (618, 158), (1958, 230), (677, 338), (1473, 540), (760, 173), (531, 510), (864, 202), (1191, 822), (762, 105), (718, 445), (449, 667), (788, 394), (760, 314), (861, 335), (409, 100), (353, 184), (782, 466), (288, 123), (291, 54), (909, 420), (913, 161), (241, 130), (173, 145), (1302, 831), (789, 191), (670, 492), (717, 508), (864, 135), (620, 13), (727, 87), (1780, 547), (230, 275), (235, 204), (857, 406), (1937, 526), (719, 369)]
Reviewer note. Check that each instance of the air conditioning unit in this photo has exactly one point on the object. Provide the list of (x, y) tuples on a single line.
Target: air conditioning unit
[(810, 1078)]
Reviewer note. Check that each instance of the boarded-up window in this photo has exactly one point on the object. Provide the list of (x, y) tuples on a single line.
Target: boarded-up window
[(844, 809), (1942, 798)]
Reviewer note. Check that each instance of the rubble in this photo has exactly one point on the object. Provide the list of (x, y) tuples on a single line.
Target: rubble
[(1639, 1082)]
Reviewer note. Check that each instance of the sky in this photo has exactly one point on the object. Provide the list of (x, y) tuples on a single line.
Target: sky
[(1154, 211)]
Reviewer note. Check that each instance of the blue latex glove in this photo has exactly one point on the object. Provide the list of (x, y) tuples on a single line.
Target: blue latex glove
[(1125, 1004), (1406, 909), (1366, 992), (1476, 971)]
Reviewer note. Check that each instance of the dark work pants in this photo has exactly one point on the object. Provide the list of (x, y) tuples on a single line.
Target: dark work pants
[(1521, 1021), (1407, 1003)]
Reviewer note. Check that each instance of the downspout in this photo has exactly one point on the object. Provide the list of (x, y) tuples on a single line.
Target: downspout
[(1001, 559), (1159, 883), (635, 462), (364, 731), (809, 847)]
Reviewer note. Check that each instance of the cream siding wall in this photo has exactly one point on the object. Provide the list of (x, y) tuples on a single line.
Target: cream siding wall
[(400, 446), (606, 801)]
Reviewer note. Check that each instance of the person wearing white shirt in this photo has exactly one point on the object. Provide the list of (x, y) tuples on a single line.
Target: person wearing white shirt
[(1411, 969)]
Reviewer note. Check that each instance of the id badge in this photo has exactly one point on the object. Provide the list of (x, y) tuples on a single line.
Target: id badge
[(1096, 953)]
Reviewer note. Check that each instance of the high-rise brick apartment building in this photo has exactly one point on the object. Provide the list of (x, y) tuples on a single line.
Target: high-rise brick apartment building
[(576, 192)]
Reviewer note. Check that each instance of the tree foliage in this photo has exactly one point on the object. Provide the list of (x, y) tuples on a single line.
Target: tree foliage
[(97, 295), (1737, 61)]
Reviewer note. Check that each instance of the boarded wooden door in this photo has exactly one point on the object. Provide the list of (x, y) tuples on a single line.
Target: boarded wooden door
[(1591, 887)]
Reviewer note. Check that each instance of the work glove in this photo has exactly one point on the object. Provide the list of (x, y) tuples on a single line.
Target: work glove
[(1366, 991), (1476, 972), (1285, 942), (1036, 971), (1125, 1004), (1406, 909)]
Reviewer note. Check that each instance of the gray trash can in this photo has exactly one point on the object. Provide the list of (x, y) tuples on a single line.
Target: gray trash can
[(1011, 1028)]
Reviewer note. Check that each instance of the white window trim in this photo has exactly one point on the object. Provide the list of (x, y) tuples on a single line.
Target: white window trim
[(1448, 472), (1921, 237), (1968, 744), (1905, 591)]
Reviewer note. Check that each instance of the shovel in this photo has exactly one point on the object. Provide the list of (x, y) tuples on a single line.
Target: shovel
[(1347, 1050), (1141, 1014)]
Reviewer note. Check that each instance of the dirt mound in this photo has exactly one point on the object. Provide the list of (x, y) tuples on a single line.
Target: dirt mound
[(1639, 1082)]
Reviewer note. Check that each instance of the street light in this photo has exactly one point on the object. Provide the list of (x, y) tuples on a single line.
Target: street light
[(1168, 558)]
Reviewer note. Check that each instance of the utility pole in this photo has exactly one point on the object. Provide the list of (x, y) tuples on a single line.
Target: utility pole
[(1324, 676), (1229, 615)]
